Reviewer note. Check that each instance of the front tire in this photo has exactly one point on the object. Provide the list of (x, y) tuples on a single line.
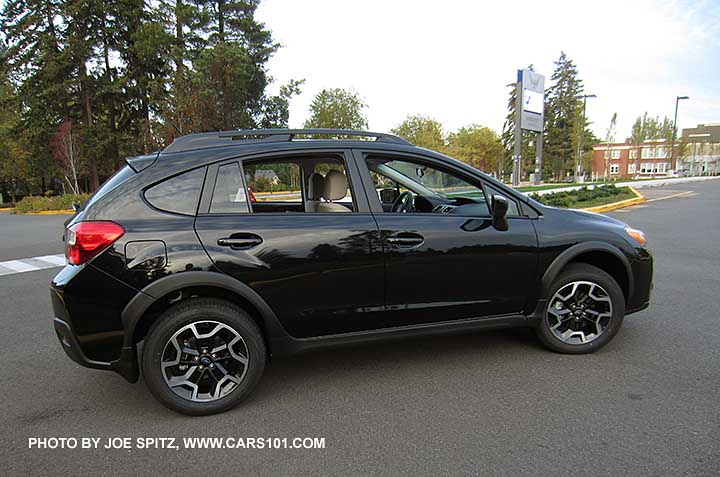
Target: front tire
[(584, 311), (203, 356)]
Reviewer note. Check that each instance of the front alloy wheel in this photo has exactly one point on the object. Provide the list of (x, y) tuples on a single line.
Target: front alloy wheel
[(584, 312), (579, 312)]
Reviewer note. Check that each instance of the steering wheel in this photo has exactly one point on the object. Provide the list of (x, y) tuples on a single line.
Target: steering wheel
[(403, 203)]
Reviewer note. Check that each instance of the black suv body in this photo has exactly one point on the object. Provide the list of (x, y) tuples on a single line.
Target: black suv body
[(195, 252)]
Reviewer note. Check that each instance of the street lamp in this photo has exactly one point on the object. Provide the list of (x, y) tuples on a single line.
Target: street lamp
[(672, 145), (578, 161)]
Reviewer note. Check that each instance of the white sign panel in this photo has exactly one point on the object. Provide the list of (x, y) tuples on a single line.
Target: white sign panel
[(532, 101)]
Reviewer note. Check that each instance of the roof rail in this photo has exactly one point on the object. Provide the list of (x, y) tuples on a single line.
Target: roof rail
[(225, 138)]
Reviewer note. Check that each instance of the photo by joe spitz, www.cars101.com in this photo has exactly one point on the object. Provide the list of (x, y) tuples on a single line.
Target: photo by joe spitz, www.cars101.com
[(227, 249)]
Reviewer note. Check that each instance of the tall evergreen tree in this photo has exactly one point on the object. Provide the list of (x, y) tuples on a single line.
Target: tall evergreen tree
[(564, 120)]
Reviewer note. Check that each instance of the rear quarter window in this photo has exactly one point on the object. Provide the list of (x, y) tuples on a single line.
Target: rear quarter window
[(179, 194)]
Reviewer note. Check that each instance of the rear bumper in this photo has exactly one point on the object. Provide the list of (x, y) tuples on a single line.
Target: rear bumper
[(126, 366), (97, 343)]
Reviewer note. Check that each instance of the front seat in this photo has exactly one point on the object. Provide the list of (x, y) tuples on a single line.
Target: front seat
[(314, 192), (335, 188)]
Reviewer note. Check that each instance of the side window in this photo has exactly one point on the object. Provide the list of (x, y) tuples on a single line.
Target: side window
[(414, 187), (229, 195), (298, 184), (179, 194), (513, 207), (274, 181)]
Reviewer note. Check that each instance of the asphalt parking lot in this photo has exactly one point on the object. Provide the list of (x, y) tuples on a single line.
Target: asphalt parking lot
[(493, 402)]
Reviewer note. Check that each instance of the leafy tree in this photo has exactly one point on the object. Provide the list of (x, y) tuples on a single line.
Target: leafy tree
[(478, 146), (337, 108), (14, 165), (645, 128), (609, 139), (422, 131)]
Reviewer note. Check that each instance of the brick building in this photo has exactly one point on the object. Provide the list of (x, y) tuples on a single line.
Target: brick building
[(652, 158), (700, 150)]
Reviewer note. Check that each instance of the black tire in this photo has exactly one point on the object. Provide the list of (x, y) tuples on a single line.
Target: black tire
[(191, 311), (578, 272)]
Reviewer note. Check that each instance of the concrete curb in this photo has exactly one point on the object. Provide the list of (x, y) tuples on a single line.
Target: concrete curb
[(639, 199), (47, 212)]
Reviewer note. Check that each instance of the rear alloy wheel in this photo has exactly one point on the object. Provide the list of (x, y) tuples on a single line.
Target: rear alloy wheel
[(584, 312), (203, 356)]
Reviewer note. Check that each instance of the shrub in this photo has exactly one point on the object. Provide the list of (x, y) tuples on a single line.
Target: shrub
[(581, 197), (41, 203)]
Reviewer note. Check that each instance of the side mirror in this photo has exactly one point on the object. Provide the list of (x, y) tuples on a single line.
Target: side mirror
[(499, 212)]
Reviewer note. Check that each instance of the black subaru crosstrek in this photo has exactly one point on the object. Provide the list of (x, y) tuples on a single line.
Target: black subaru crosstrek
[(228, 248)]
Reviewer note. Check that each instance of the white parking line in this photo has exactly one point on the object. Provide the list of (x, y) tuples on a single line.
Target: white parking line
[(31, 264)]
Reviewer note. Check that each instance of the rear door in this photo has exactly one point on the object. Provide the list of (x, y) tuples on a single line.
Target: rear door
[(321, 273)]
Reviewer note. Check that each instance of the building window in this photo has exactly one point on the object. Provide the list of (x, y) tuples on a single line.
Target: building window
[(633, 153), (660, 153), (661, 168), (631, 168), (614, 168), (646, 168), (615, 154), (648, 153)]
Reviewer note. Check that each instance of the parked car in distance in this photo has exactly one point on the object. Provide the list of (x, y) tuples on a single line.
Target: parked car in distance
[(187, 253)]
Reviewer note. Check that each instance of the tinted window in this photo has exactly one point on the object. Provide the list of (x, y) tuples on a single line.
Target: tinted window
[(273, 181), (229, 195), (430, 189), (179, 194)]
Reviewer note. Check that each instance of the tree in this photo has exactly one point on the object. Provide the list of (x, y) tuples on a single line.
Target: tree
[(609, 139), (66, 150), (337, 108), (478, 146), (14, 165), (564, 121), (422, 131), (645, 128)]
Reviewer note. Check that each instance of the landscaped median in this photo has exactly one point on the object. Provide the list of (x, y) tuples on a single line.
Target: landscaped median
[(596, 199), (41, 205)]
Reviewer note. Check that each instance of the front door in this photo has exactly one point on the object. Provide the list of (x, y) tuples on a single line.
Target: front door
[(320, 272), (444, 259)]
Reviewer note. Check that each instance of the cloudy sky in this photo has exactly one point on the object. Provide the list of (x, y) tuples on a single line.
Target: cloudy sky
[(452, 60)]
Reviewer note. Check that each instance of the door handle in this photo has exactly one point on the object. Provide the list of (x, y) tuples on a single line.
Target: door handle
[(240, 241), (405, 239)]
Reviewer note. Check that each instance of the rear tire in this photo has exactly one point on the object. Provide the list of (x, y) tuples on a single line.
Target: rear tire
[(203, 356), (585, 310)]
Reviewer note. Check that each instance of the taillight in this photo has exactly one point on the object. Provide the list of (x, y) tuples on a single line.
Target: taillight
[(87, 239)]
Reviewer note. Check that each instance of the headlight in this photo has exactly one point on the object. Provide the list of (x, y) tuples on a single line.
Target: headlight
[(638, 235)]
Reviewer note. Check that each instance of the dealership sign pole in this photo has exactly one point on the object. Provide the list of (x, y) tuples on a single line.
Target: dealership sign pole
[(529, 116)]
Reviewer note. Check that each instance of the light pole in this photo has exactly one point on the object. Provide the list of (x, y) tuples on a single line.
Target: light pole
[(672, 145), (578, 161)]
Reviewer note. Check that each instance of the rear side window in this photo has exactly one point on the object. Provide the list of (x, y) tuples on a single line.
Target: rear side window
[(179, 194), (229, 195)]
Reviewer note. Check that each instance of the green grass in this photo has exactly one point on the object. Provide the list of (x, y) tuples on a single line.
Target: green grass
[(584, 197), (42, 204)]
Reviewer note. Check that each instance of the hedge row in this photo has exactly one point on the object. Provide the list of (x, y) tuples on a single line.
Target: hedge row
[(585, 197), (57, 202)]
